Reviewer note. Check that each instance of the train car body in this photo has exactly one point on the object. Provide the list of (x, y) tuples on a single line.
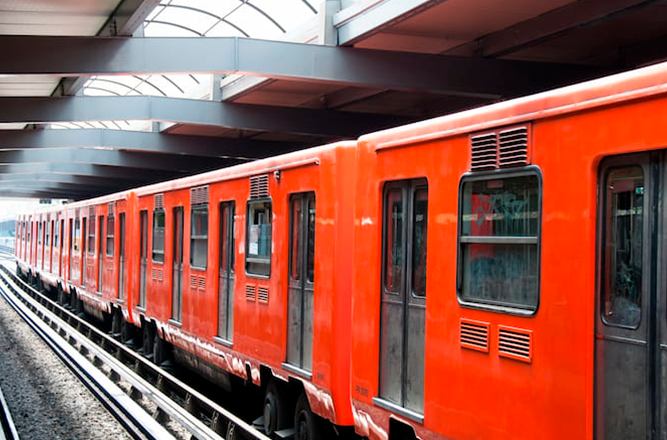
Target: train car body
[(244, 272), (511, 281)]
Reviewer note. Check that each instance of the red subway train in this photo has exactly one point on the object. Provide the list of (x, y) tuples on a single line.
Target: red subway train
[(496, 273)]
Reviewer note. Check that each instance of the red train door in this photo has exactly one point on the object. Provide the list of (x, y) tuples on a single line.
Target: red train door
[(121, 257), (403, 297), (226, 272), (301, 281), (631, 332), (143, 227), (177, 285)]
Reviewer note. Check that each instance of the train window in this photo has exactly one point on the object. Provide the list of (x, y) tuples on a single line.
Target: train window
[(622, 247), (47, 234), (110, 235), (258, 238), (39, 233), (91, 236), (199, 236), (77, 235), (499, 230), (158, 235)]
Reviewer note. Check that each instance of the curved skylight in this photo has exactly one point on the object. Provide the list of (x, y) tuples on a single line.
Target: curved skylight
[(263, 19)]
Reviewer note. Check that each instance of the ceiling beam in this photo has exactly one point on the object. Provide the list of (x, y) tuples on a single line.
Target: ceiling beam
[(66, 188), (41, 110), (123, 22), (126, 159), (44, 194), (88, 181), (549, 25), (80, 169), (363, 19), (88, 56), (143, 141)]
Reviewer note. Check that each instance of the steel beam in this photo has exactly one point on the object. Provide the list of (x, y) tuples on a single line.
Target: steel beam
[(79, 169), (87, 56), (86, 181), (143, 141), (549, 25), (45, 194), (366, 18), (126, 159), (41, 110)]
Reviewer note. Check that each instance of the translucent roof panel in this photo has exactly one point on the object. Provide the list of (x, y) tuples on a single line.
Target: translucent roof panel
[(265, 19)]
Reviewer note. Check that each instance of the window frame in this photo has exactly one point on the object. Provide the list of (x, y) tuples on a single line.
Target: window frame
[(262, 261), (111, 231), (195, 208), (92, 224), (507, 173), (164, 232)]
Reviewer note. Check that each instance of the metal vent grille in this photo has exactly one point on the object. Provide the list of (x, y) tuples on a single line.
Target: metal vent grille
[(475, 335), (112, 208), (484, 150), (153, 273), (500, 149), (202, 283), (158, 201), (193, 282), (160, 275), (250, 293), (515, 343), (259, 186), (199, 195), (513, 147), (263, 294)]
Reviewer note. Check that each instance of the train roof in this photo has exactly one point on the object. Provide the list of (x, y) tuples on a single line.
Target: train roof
[(284, 161), (636, 84)]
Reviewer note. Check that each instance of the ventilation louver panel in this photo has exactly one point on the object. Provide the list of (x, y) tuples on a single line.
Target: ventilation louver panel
[(484, 152), (250, 293), (475, 335), (259, 186), (513, 147), (202, 283), (193, 282), (515, 343), (263, 294), (504, 148), (199, 195), (158, 201)]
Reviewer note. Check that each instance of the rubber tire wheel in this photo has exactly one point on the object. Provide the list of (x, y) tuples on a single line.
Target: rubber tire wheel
[(233, 433), (275, 409), (307, 426)]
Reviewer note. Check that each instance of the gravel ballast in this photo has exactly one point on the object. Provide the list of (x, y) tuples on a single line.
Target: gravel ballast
[(46, 400)]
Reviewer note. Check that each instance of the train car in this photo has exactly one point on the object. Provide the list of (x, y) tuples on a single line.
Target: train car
[(96, 255), (509, 276), (244, 273)]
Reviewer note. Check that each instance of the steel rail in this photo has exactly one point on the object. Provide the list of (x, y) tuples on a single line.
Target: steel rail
[(155, 384), (8, 431)]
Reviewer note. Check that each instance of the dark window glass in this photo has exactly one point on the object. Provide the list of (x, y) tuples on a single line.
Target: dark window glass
[(110, 235), (311, 241), (499, 261), (158, 235), (296, 240), (258, 247), (56, 235), (623, 249), (394, 244), (227, 237), (47, 233), (77, 235), (419, 217), (40, 228), (199, 236), (91, 236)]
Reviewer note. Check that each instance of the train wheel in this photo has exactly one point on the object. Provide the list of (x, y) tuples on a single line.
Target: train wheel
[(307, 426), (275, 409)]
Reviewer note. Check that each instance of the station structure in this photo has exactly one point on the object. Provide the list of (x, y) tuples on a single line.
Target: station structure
[(101, 96)]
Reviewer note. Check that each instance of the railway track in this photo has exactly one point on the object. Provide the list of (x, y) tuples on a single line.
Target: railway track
[(143, 397), (7, 428)]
